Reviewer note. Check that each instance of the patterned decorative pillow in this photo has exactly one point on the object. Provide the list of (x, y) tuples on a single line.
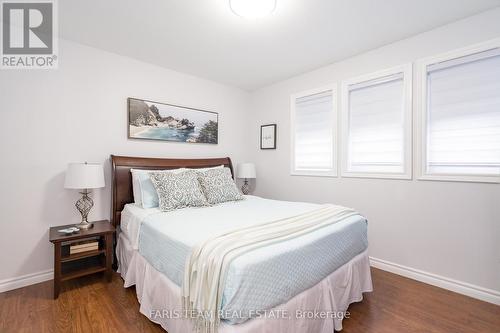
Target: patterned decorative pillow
[(218, 186), (178, 190), (145, 194)]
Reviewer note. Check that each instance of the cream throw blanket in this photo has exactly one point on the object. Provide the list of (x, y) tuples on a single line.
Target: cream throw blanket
[(207, 266)]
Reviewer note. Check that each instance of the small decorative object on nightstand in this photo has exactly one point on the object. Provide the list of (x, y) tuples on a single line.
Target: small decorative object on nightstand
[(246, 171), (84, 176), (81, 253)]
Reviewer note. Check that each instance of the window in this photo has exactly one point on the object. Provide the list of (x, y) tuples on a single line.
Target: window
[(461, 115), (376, 125), (313, 124)]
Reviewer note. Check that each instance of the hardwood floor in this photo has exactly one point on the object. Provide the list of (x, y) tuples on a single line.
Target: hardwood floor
[(90, 305), (398, 304)]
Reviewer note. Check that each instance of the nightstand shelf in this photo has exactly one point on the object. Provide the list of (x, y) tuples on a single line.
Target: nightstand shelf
[(82, 255), (76, 273), (71, 266), (77, 256)]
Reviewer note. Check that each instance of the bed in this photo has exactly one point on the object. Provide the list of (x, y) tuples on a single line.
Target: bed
[(300, 285)]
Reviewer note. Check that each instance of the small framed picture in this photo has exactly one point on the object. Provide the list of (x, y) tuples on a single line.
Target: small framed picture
[(268, 136)]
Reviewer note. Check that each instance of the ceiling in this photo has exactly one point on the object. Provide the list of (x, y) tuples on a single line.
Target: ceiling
[(204, 38)]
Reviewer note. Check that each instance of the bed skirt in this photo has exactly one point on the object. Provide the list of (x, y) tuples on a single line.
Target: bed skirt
[(317, 309)]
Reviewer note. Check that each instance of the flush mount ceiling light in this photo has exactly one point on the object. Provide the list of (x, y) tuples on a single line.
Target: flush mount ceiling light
[(252, 8)]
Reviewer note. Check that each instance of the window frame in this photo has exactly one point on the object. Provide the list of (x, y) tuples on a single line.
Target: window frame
[(422, 124), (407, 71), (334, 126)]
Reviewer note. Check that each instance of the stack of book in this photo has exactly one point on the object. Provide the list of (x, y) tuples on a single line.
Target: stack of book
[(83, 246)]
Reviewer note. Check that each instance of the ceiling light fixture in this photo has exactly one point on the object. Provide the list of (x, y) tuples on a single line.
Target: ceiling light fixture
[(252, 8)]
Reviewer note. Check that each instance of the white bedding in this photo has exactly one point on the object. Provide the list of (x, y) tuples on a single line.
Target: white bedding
[(217, 218), (131, 218), (165, 239), (157, 294)]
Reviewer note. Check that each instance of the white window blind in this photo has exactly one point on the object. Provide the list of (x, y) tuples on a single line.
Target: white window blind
[(375, 125), (313, 121), (463, 115)]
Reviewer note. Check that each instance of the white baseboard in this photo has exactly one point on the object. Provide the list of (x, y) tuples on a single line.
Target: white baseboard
[(26, 280), (464, 288)]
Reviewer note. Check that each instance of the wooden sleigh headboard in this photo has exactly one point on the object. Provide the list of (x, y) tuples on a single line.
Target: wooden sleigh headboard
[(121, 177)]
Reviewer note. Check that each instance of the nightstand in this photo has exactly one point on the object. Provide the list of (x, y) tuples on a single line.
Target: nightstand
[(71, 266)]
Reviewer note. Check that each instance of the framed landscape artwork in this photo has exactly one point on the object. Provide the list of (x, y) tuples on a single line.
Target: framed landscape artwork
[(159, 121), (268, 136)]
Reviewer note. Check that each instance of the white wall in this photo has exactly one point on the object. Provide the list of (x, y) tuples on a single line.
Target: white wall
[(446, 228), (79, 113)]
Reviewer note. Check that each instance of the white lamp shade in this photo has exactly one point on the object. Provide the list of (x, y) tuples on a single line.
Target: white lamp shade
[(246, 170), (84, 176)]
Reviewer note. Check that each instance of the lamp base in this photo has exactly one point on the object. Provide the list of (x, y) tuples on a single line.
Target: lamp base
[(84, 205), (84, 225), (245, 188)]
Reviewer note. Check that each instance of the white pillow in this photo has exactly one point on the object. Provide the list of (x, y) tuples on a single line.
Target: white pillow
[(145, 194), (205, 169)]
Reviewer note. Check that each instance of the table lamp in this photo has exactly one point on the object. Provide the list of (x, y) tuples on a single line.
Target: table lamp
[(84, 176), (246, 171)]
